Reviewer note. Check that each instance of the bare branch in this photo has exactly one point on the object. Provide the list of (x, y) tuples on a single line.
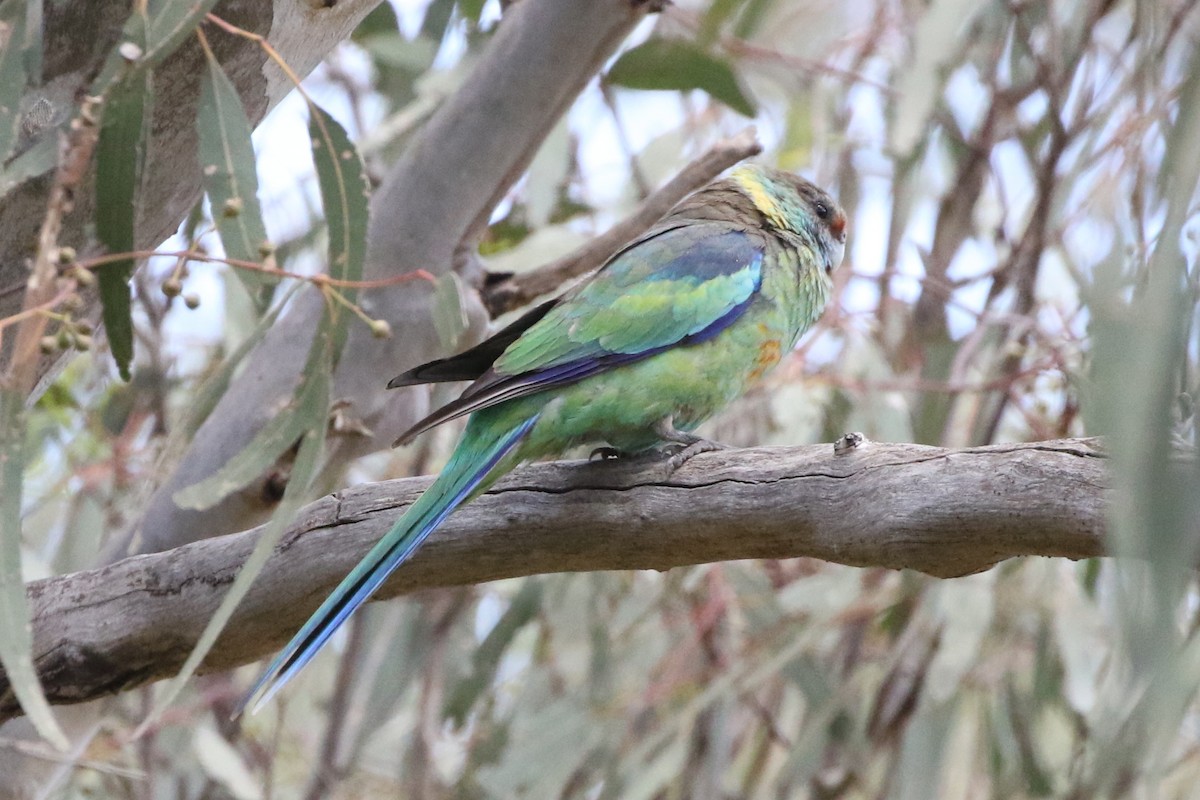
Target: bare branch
[(944, 512), (517, 290)]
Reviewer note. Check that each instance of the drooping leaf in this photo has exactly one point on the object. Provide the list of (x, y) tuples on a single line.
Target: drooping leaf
[(437, 19), (154, 37), (471, 9), (345, 193), (449, 313), (304, 469), (119, 161), (382, 19), (716, 15), (39, 159), (486, 658), (394, 50), (343, 185), (16, 638), (279, 433), (12, 75), (205, 397), (680, 65), (751, 18), (227, 164)]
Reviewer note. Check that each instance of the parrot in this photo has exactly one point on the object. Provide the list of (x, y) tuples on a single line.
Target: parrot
[(668, 331)]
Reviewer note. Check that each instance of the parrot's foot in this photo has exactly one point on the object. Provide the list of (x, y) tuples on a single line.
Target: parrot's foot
[(681, 457), (693, 445)]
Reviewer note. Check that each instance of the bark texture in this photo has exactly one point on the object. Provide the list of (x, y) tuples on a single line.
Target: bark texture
[(944, 512)]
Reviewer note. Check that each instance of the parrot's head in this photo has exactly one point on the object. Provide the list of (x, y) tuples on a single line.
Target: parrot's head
[(792, 204)]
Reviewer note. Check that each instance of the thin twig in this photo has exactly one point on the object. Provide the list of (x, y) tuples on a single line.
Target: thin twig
[(517, 290), (22, 372), (254, 266)]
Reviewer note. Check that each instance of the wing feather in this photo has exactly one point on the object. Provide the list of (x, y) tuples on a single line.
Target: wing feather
[(677, 286)]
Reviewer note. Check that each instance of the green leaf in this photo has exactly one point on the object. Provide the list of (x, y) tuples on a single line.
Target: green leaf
[(16, 638), (676, 64), (307, 411), (345, 194), (486, 658), (343, 185), (393, 50), (222, 762), (716, 16), (227, 164), (382, 19), (119, 159), (938, 36), (33, 45), (304, 469), (168, 23), (12, 76), (751, 18), (449, 312), (437, 19), (470, 9)]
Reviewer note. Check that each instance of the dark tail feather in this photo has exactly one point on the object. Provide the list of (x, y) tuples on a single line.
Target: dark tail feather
[(470, 364)]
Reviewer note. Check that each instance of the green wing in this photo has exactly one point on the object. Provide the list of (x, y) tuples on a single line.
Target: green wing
[(677, 286)]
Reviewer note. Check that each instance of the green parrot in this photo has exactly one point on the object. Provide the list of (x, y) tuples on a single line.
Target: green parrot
[(671, 329)]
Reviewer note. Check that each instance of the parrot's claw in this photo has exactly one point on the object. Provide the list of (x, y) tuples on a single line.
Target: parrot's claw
[(681, 457), (691, 444)]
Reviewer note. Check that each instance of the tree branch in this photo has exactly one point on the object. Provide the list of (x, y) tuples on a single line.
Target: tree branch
[(944, 512), (514, 291)]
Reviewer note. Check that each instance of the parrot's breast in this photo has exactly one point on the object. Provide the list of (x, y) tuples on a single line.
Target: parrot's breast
[(689, 383)]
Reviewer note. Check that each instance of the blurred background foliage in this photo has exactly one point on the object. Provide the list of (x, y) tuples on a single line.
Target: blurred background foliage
[(1020, 179)]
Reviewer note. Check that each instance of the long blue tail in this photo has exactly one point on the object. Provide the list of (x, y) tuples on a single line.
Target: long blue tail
[(467, 469)]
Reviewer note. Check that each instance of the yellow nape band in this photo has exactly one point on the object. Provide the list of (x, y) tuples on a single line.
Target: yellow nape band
[(751, 180)]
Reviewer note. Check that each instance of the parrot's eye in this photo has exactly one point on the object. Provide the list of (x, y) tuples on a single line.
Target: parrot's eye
[(822, 210)]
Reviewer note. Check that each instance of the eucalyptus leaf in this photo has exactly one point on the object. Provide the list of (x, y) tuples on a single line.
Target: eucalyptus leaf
[(345, 195), (382, 19), (37, 160), (16, 637), (154, 38), (12, 75), (305, 412), (449, 311), (921, 83), (228, 169), (120, 155), (224, 764), (486, 658), (680, 65), (304, 470)]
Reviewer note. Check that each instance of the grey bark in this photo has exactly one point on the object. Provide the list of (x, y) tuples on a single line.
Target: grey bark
[(428, 214), (943, 512)]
